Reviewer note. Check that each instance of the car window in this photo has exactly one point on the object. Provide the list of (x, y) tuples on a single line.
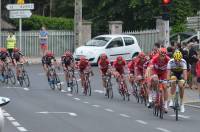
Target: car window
[(128, 41), (98, 41), (117, 42)]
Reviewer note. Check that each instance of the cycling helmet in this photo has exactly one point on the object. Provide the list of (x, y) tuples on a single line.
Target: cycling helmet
[(16, 50), (104, 56), (68, 54), (177, 55), (49, 53), (141, 55), (82, 58), (3, 50), (163, 51), (119, 58)]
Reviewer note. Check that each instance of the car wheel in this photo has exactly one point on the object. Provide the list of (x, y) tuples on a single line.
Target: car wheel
[(135, 54)]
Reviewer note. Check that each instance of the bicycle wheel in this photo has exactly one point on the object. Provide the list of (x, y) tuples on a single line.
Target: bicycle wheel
[(11, 76), (51, 81), (176, 107), (89, 88), (135, 92), (110, 90), (58, 83), (161, 109), (26, 79), (74, 85), (20, 81)]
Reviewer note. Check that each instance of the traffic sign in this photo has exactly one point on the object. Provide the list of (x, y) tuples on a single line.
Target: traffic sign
[(29, 6), (20, 14)]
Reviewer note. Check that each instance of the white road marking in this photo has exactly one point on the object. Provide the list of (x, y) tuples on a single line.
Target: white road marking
[(124, 115), (22, 129), (6, 114), (195, 106), (181, 116), (109, 110), (43, 112), (99, 91), (86, 102), (77, 99), (15, 123), (69, 95), (63, 91), (26, 89), (162, 129), (10, 118), (96, 106), (141, 122), (72, 114)]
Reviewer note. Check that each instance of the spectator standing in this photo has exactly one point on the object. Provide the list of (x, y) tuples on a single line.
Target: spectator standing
[(43, 36), (11, 43)]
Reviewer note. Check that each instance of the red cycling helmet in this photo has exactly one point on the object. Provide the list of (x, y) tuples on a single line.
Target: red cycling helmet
[(119, 58), (163, 51), (3, 50), (68, 54), (82, 58), (104, 56), (16, 50), (49, 53), (141, 55)]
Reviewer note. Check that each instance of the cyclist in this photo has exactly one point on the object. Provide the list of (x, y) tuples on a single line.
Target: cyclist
[(3, 59), (139, 66), (119, 64), (131, 68), (47, 61), (158, 67), (84, 66), (178, 68), (67, 64), (18, 58), (104, 67)]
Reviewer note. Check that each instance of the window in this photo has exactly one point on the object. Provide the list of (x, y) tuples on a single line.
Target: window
[(128, 41), (115, 43)]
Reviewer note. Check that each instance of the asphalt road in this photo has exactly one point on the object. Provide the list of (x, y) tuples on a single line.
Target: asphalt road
[(40, 109)]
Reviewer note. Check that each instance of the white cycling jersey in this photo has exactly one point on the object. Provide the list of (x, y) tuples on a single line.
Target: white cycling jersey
[(177, 67)]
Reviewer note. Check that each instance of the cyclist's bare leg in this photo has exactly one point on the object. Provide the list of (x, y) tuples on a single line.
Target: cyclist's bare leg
[(181, 86)]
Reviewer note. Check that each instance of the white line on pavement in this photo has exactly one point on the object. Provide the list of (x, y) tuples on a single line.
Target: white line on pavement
[(22, 129), (162, 129), (69, 95), (141, 122), (181, 116), (99, 91), (72, 114), (6, 114), (77, 99), (10, 118), (109, 110), (15, 123), (195, 106), (96, 106), (63, 91), (124, 115), (86, 102), (26, 89)]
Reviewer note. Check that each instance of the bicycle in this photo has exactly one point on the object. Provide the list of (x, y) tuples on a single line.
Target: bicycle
[(8, 74), (23, 76), (87, 86), (122, 90), (109, 90), (139, 91), (53, 78), (73, 84), (158, 101)]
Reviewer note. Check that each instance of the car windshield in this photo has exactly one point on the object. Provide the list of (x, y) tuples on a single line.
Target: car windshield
[(99, 41)]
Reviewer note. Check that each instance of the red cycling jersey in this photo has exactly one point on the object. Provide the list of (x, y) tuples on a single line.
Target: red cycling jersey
[(139, 66), (160, 66), (119, 67), (131, 65), (104, 65), (82, 65)]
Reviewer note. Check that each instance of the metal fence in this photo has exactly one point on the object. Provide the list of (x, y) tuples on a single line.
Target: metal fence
[(58, 42), (146, 38)]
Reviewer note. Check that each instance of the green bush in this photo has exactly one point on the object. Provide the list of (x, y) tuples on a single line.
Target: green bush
[(36, 22)]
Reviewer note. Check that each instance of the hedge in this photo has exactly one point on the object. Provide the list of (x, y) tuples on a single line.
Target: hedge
[(36, 22)]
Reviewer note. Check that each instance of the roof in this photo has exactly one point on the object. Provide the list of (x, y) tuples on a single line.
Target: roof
[(6, 26), (114, 35)]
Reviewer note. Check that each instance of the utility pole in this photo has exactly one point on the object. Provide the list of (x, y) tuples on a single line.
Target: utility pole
[(77, 24)]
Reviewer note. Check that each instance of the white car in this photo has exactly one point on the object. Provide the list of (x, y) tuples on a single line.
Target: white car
[(112, 45), (3, 101)]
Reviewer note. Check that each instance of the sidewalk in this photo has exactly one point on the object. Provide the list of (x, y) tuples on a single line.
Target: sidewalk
[(191, 98)]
